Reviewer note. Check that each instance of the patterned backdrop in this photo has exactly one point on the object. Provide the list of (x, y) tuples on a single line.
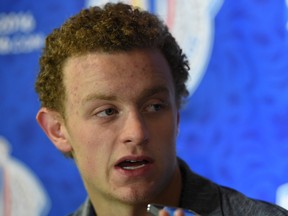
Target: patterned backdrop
[(234, 128)]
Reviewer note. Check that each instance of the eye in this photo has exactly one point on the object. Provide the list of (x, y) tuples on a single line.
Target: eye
[(154, 107), (107, 112)]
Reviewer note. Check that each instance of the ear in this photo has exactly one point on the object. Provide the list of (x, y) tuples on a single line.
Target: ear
[(53, 125)]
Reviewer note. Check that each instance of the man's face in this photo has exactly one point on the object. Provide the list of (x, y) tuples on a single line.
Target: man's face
[(121, 123)]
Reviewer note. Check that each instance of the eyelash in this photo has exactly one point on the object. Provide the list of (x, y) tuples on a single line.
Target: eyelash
[(157, 106), (99, 114)]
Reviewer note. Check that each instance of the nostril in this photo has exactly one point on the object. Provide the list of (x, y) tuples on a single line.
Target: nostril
[(137, 141)]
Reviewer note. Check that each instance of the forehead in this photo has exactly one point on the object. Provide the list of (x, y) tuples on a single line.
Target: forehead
[(138, 59), (115, 72)]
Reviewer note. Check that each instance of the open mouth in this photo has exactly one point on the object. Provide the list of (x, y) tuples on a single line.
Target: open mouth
[(132, 164)]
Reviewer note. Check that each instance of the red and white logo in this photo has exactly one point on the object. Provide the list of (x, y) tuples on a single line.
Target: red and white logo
[(21, 193)]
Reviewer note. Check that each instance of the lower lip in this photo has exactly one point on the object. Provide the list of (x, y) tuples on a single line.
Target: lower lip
[(141, 171)]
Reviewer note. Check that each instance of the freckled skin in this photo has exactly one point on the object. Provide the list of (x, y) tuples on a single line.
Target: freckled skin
[(101, 83)]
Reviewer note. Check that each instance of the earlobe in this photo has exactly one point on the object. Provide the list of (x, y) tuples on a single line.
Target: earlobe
[(53, 125)]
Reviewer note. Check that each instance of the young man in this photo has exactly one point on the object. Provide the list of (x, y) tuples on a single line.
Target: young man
[(111, 84)]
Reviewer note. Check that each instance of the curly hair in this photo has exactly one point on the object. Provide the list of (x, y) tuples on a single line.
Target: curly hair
[(113, 28)]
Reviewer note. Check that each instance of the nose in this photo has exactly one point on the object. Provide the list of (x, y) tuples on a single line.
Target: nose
[(134, 130)]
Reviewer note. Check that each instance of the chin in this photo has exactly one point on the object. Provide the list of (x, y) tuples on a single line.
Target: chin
[(137, 195)]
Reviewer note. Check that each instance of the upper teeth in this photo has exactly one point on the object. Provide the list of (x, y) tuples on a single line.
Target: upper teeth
[(133, 167), (133, 164)]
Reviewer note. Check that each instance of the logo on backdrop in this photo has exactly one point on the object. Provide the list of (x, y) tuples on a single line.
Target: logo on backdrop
[(20, 191), (282, 196), (17, 33), (191, 22)]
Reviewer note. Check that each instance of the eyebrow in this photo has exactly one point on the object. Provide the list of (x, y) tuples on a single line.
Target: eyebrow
[(145, 94), (93, 97), (150, 92)]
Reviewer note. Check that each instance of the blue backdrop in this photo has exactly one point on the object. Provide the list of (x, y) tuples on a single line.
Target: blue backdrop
[(234, 128)]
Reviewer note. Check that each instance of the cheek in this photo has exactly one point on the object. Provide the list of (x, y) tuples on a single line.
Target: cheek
[(165, 133), (89, 147), (92, 157), (168, 127)]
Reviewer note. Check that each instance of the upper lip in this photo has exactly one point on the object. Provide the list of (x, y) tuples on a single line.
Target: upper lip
[(147, 159)]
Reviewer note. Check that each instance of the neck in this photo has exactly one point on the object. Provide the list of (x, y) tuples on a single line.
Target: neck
[(170, 196)]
